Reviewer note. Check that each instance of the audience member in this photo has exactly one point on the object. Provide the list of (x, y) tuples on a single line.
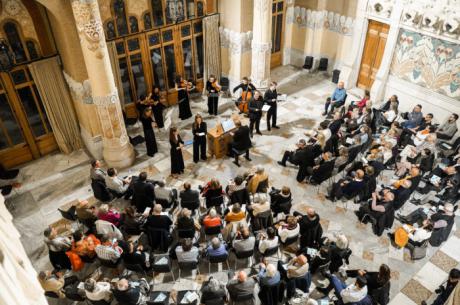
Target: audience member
[(444, 292), (98, 291), (143, 193), (268, 240), (258, 183), (57, 246), (96, 172), (187, 252), (108, 250), (240, 285), (243, 241), (216, 248), (289, 229), (131, 293), (116, 184), (337, 99)]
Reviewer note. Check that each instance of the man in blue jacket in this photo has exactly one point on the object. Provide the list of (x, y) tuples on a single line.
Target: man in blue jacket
[(337, 99)]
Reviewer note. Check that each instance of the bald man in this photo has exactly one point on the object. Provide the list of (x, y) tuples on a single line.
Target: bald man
[(296, 274), (310, 229), (240, 285), (337, 99)]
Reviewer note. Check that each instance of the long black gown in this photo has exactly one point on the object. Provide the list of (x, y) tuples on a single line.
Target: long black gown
[(184, 104), (199, 142), (149, 135), (177, 160), (158, 113)]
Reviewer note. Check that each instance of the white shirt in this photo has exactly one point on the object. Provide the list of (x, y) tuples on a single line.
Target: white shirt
[(285, 233), (116, 184), (267, 244), (419, 235), (390, 115), (101, 292), (352, 294)]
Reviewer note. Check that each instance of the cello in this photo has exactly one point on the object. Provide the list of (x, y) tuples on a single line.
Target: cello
[(246, 95)]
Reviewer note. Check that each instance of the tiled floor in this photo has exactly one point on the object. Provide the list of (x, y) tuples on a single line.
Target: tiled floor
[(58, 180)]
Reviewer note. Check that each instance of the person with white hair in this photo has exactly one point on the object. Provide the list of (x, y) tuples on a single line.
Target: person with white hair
[(131, 293), (158, 220), (98, 291), (268, 275), (258, 183), (216, 248), (212, 219), (260, 204)]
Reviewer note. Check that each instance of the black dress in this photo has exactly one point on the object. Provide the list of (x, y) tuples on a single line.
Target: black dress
[(149, 135), (158, 111), (177, 160), (184, 104), (213, 98), (199, 142)]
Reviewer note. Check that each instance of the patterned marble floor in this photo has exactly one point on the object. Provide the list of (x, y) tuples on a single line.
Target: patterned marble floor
[(58, 180)]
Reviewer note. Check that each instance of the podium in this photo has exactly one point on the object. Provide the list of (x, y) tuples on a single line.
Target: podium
[(218, 140)]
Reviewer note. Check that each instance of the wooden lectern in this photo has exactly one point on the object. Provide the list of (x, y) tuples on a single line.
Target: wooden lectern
[(218, 140)]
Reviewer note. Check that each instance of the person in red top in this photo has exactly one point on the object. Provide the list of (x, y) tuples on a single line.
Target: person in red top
[(360, 104), (212, 219), (107, 214)]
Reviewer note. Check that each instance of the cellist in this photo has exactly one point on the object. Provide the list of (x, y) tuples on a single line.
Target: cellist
[(247, 90), (213, 88)]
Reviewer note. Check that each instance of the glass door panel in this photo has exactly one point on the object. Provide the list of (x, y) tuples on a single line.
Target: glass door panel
[(199, 57), (10, 131), (170, 60), (138, 74), (34, 116), (124, 72), (157, 67), (187, 55)]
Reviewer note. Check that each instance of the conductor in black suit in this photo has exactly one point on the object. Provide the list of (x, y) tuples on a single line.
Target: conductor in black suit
[(270, 98), (241, 141)]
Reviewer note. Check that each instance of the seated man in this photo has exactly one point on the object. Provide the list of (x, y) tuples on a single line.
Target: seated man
[(349, 187), (288, 229), (295, 157), (98, 291), (381, 209), (187, 252), (446, 214), (295, 271), (190, 196), (158, 219), (131, 293), (281, 201), (447, 130), (337, 99), (445, 292), (143, 193), (116, 184), (243, 241), (347, 294), (258, 183), (310, 229), (241, 142), (137, 255), (108, 250), (414, 118), (164, 194), (55, 282), (239, 285), (96, 172), (402, 194), (268, 275), (213, 292), (216, 248)]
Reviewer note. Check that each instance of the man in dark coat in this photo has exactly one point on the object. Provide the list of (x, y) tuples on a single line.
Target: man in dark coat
[(255, 112), (310, 230), (143, 193), (241, 141)]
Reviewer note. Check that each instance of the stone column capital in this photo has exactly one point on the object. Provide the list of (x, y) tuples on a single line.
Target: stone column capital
[(261, 47)]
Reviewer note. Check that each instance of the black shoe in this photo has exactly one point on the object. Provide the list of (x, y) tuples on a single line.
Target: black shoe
[(249, 159), (281, 163), (277, 127), (423, 303), (324, 113), (259, 133), (251, 134), (204, 159), (236, 163), (269, 129)]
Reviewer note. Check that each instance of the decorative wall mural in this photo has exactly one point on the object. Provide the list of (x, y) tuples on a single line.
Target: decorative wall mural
[(326, 20), (14, 9), (428, 62)]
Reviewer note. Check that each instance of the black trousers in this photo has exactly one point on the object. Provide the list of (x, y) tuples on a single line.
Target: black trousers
[(246, 156), (256, 122), (213, 104), (288, 156), (271, 116), (334, 105), (199, 148)]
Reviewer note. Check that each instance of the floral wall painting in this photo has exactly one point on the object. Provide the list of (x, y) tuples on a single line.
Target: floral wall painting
[(428, 62)]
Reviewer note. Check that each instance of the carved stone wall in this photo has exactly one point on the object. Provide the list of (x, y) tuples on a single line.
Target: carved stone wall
[(236, 42), (16, 11)]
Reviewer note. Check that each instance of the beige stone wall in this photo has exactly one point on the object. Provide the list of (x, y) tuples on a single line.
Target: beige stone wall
[(16, 11), (134, 8)]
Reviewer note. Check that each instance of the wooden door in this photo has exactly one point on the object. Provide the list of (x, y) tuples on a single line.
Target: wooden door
[(278, 8), (24, 127), (374, 48)]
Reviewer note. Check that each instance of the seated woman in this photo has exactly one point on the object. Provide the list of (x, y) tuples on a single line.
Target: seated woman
[(211, 191), (57, 247), (415, 235), (268, 241), (258, 183), (108, 214), (288, 229), (236, 214), (320, 259), (281, 201), (84, 246), (187, 252), (237, 192), (212, 219), (130, 223), (213, 292), (260, 204), (185, 222), (375, 281)]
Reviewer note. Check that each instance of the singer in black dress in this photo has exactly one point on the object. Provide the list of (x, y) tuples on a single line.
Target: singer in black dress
[(149, 135), (199, 131), (177, 160), (157, 108), (183, 100), (213, 88)]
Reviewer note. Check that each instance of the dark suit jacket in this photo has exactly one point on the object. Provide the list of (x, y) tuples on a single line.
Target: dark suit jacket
[(335, 126), (241, 138), (143, 195), (255, 108), (190, 196)]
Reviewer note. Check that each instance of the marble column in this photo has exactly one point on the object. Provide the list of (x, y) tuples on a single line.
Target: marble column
[(117, 151), (261, 43)]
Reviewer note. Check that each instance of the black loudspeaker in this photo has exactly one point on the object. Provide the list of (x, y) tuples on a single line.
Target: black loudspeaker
[(323, 64), (308, 62), (335, 76)]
